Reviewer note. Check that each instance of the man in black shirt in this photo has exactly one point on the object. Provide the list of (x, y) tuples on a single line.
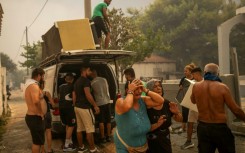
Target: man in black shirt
[(84, 102), (67, 113)]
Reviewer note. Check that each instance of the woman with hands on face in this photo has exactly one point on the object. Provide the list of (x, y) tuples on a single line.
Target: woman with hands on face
[(160, 118), (131, 117)]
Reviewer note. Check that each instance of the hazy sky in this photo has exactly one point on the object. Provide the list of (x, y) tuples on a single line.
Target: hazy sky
[(21, 13)]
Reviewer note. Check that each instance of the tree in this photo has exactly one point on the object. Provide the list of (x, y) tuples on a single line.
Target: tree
[(125, 35), (7, 62), (186, 30), (17, 77), (31, 55)]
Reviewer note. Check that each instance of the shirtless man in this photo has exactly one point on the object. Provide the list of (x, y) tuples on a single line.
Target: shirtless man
[(211, 96), (36, 108)]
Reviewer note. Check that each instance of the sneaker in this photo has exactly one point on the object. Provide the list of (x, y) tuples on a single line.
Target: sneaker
[(180, 130), (81, 150), (70, 147), (187, 145)]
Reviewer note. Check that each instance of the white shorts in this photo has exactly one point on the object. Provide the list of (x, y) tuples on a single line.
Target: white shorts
[(85, 120), (192, 116)]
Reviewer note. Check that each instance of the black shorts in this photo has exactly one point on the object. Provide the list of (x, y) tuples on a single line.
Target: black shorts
[(48, 120), (212, 136), (100, 26), (105, 114), (67, 116), (185, 112), (159, 142), (36, 126)]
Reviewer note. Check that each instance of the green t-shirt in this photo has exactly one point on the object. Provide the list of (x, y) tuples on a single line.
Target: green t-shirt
[(143, 93), (98, 10)]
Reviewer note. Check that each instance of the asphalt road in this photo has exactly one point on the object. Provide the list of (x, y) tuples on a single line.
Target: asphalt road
[(17, 138)]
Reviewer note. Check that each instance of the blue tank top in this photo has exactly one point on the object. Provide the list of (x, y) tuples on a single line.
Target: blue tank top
[(132, 127)]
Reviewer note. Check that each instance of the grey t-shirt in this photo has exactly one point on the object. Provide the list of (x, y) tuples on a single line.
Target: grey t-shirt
[(100, 91)]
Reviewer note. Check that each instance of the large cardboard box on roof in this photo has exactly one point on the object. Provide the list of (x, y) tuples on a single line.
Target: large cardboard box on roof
[(76, 34), (68, 36)]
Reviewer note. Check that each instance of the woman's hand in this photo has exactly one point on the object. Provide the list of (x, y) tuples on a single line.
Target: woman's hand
[(174, 108), (136, 83), (161, 120)]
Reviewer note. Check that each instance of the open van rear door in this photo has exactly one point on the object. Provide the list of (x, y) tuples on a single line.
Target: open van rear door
[(96, 56)]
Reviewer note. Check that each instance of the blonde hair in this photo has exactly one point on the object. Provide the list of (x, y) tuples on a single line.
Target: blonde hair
[(190, 66)]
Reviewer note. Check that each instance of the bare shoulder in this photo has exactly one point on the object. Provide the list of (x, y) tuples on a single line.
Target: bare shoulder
[(224, 87), (33, 87)]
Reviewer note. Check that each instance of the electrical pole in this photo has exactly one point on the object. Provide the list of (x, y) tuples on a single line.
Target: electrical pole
[(87, 8), (27, 53)]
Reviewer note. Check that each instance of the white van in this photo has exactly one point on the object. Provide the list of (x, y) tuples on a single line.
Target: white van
[(56, 66)]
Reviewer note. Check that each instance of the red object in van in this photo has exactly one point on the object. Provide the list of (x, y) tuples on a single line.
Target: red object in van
[(119, 95), (56, 110)]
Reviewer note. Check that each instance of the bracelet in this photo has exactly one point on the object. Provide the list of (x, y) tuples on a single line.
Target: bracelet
[(147, 92), (130, 92)]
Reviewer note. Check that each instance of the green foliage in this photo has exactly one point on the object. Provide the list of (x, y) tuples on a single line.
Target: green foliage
[(7, 62), (39, 52), (127, 36), (186, 30), (17, 77), (242, 3), (32, 55)]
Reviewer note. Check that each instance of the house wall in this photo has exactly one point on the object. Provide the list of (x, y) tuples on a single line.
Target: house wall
[(164, 70), (3, 93)]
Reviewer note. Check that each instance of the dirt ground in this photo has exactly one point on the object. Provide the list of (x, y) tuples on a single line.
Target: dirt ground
[(17, 138)]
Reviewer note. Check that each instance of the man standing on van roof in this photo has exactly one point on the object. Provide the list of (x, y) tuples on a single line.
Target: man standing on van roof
[(211, 96), (83, 109), (36, 108), (101, 21)]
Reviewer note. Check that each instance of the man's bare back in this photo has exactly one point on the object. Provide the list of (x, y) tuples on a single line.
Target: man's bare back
[(211, 97)]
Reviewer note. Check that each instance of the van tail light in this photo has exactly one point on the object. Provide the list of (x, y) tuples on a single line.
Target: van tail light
[(56, 109)]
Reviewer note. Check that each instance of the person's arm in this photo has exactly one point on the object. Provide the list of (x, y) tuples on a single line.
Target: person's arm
[(124, 105), (230, 102), (152, 99), (74, 98), (51, 101), (91, 99), (156, 125), (175, 110), (193, 100), (105, 15)]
